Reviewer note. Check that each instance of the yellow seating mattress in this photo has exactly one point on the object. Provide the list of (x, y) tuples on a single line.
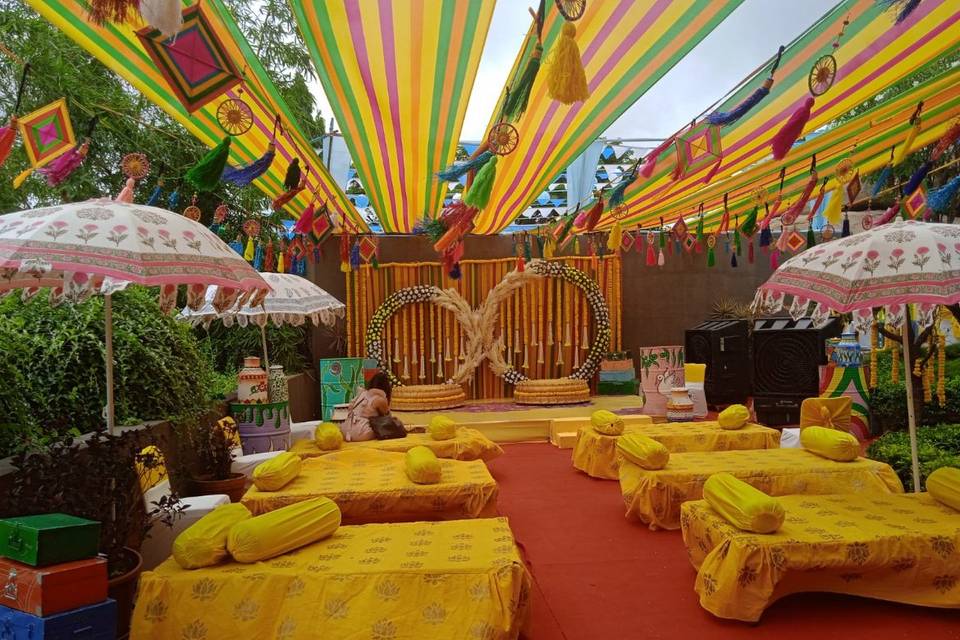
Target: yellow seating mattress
[(596, 454), (372, 486), (459, 579), (469, 444), (654, 497), (902, 548)]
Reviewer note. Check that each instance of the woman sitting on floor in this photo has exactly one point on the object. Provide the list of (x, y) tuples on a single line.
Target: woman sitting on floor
[(372, 403)]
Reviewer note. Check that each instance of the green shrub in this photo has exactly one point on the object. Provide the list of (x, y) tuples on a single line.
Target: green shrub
[(937, 447), (888, 406), (228, 346)]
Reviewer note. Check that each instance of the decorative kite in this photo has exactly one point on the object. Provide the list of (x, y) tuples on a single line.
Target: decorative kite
[(698, 148), (47, 134), (194, 62)]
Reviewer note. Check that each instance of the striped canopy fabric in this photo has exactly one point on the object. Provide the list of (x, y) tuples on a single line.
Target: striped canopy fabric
[(874, 53), (626, 47), (119, 47), (398, 76)]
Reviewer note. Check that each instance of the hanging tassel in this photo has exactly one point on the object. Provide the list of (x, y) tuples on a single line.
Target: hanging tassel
[(205, 175), (593, 215), (939, 199), (521, 267), (280, 262), (60, 168), (248, 252), (119, 11), (459, 169), (791, 130), (617, 194), (173, 200), (811, 238), (750, 254), (616, 237), (774, 260), (723, 118), (345, 253), (258, 258), (917, 178), (946, 141), (287, 196), (881, 180), (163, 15), (566, 79), (8, 135), (292, 178), (701, 239), (903, 7), (305, 222), (889, 214), (154, 198), (737, 242), (660, 259), (904, 149), (355, 256), (126, 194), (711, 257), (478, 195), (651, 255), (243, 176), (750, 223), (520, 91), (766, 237), (845, 229), (834, 209)]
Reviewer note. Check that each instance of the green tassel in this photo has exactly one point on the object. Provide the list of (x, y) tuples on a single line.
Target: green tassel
[(520, 91), (205, 175), (811, 239), (527, 255), (711, 257), (661, 239), (700, 237), (750, 224), (479, 193), (736, 243)]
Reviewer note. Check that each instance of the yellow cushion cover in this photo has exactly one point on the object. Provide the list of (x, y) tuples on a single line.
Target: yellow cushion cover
[(745, 507), (204, 543), (733, 417), (834, 413), (643, 451), (282, 530), (830, 443), (944, 485), (442, 428), (328, 436), (606, 422), (273, 474), (422, 465)]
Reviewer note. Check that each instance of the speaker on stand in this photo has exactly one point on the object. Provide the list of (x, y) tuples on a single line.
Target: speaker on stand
[(723, 346)]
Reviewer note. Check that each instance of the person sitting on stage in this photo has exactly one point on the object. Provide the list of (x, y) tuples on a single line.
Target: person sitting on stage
[(373, 402)]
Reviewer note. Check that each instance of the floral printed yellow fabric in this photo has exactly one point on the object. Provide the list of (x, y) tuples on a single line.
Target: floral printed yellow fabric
[(469, 444), (328, 437), (461, 579), (830, 443), (902, 548), (654, 497), (944, 485), (422, 466), (833, 413), (442, 428), (733, 417), (275, 473), (742, 505), (275, 533), (596, 454), (372, 486), (204, 543), (643, 451)]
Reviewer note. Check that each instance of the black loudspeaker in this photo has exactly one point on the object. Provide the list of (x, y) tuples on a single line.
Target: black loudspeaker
[(722, 345), (787, 355)]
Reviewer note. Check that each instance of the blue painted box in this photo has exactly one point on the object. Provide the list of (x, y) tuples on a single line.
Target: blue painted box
[(95, 622)]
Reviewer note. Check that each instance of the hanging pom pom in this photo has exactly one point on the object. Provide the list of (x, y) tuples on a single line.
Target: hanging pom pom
[(248, 252), (917, 178), (163, 15), (126, 194), (8, 135), (566, 80), (459, 169), (205, 175), (520, 91), (242, 176), (60, 169), (845, 229), (478, 195), (616, 237), (834, 209), (119, 11), (292, 177), (811, 238), (791, 130), (939, 199), (305, 222)]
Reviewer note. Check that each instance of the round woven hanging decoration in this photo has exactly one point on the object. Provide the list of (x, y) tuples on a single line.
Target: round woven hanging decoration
[(866, 222), (220, 214), (135, 165), (760, 196), (234, 116), (827, 232), (251, 227), (845, 171), (193, 212), (711, 241), (620, 212), (571, 9), (503, 138), (822, 74), (651, 239), (788, 218)]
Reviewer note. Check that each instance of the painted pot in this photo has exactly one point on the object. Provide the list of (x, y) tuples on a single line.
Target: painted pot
[(679, 405), (252, 382), (660, 370), (263, 427)]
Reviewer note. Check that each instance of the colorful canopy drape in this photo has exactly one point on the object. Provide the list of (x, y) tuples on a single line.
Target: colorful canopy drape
[(626, 47), (399, 76), (118, 47), (873, 53)]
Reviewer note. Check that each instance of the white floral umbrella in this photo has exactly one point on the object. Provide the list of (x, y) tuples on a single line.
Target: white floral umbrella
[(292, 300), (890, 266), (101, 246)]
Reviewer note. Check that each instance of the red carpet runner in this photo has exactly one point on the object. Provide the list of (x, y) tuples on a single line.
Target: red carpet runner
[(599, 577)]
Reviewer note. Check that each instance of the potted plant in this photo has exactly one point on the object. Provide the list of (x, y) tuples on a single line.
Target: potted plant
[(206, 447)]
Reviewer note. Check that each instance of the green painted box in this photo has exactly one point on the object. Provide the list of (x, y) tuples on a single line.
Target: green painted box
[(50, 538), (617, 388), (341, 370)]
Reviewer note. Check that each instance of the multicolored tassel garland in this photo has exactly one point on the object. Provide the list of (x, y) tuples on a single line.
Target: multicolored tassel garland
[(243, 176), (205, 175), (478, 195), (791, 130), (566, 79)]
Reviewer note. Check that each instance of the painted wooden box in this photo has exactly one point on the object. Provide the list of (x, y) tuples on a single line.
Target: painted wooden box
[(50, 538), (94, 622), (341, 370), (48, 590)]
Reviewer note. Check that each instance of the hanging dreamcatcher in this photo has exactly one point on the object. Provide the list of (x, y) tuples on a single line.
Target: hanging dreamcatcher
[(822, 75), (192, 212), (234, 115), (135, 166), (503, 138), (571, 9)]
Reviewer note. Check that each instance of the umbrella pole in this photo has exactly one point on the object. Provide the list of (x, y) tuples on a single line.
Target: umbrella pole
[(912, 420), (108, 335), (263, 343)]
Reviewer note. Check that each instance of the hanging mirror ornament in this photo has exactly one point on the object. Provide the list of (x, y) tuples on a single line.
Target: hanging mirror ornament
[(193, 211), (235, 116), (135, 165), (571, 9), (822, 74), (866, 222), (827, 232), (503, 138)]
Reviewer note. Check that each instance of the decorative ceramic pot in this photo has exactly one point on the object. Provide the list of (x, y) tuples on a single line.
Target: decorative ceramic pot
[(847, 352), (252, 382), (679, 405), (279, 390)]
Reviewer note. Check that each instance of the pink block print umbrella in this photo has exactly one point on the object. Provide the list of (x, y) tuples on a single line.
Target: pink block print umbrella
[(890, 266), (101, 246)]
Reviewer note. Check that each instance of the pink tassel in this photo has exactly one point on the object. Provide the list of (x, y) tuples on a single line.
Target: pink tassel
[(305, 223), (648, 167), (126, 195), (889, 214), (592, 217), (61, 168), (750, 255), (788, 134), (581, 219), (774, 261), (660, 259), (651, 256), (8, 136)]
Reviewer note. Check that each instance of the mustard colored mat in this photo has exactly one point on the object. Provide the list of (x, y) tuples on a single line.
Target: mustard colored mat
[(469, 444), (458, 579), (903, 548)]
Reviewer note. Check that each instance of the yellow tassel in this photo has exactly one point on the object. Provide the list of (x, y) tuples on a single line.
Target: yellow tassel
[(248, 252), (566, 80), (904, 149), (834, 212), (615, 237), (21, 178), (280, 263)]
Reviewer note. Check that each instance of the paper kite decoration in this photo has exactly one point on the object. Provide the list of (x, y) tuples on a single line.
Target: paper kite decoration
[(368, 248), (795, 241), (853, 187), (698, 148), (47, 133), (321, 226), (194, 62), (626, 241), (916, 203)]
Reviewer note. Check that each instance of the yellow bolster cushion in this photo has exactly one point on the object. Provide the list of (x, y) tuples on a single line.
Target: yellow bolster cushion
[(830, 443), (276, 472), (422, 465), (204, 543), (733, 417), (285, 529), (643, 451), (606, 422), (745, 507), (944, 485), (328, 436), (442, 428)]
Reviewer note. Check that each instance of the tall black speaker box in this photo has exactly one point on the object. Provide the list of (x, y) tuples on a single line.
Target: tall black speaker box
[(787, 355), (722, 345)]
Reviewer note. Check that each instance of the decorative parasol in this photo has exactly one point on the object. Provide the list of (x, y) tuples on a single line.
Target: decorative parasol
[(101, 246), (890, 266)]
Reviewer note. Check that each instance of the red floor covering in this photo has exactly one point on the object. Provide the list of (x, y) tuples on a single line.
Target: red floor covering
[(599, 577)]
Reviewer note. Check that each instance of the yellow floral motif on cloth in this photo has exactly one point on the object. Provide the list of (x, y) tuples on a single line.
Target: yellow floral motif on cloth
[(469, 444), (596, 454), (902, 548), (372, 486), (387, 581), (654, 497)]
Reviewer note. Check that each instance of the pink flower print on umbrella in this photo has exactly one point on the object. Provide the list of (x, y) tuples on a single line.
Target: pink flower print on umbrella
[(118, 234), (56, 229), (851, 261), (896, 259), (166, 240), (830, 260), (192, 240), (945, 256), (30, 228), (88, 232), (921, 257), (871, 262), (145, 238)]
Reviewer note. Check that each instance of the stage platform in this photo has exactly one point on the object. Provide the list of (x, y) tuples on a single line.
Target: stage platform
[(506, 421)]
